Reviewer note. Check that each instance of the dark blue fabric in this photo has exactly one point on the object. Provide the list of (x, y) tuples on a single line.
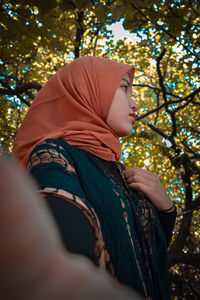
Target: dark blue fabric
[(135, 245), (75, 229)]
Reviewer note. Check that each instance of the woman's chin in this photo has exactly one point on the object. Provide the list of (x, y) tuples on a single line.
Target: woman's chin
[(125, 133)]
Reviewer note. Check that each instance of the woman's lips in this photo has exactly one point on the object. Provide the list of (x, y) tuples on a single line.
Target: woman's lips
[(133, 115)]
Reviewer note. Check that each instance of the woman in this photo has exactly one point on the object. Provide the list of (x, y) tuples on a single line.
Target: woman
[(69, 141)]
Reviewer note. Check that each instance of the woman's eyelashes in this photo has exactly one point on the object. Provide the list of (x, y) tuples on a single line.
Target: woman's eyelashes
[(124, 87)]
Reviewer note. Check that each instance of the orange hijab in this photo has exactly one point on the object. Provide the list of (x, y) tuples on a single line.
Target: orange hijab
[(73, 106)]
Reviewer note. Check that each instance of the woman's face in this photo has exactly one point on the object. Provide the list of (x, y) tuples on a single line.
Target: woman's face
[(122, 114)]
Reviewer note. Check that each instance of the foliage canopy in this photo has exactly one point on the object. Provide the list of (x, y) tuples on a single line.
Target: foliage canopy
[(39, 37)]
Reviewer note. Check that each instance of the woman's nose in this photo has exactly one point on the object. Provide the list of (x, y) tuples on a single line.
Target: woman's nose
[(133, 105)]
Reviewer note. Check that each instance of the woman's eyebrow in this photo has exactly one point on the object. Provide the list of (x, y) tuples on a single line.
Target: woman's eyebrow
[(127, 82)]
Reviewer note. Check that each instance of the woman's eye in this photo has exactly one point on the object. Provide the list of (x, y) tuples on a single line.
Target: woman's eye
[(124, 87)]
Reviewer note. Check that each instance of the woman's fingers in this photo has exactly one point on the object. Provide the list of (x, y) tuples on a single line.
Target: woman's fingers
[(140, 176), (136, 171), (149, 184), (137, 179), (140, 187)]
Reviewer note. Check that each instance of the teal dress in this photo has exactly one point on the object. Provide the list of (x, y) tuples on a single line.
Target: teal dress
[(129, 240)]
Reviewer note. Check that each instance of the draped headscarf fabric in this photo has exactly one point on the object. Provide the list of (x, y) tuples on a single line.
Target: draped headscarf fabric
[(73, 106)]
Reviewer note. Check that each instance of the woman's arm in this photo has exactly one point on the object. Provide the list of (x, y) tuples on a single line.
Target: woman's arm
[(75, 229), (167, 221)]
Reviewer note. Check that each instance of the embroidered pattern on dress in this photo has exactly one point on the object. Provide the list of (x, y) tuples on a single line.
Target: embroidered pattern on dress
[(50, 143), (110, 266), (46, 156), (144, 203)]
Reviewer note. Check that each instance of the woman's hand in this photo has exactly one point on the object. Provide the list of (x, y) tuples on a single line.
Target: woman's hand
[(149, 184)]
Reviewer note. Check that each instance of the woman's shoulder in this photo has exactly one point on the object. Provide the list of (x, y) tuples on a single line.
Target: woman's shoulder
[(58, 146), (50, 151), (58, 151)]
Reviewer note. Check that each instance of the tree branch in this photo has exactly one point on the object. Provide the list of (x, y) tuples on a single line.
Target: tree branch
[(190, 97), (185, 258), (164, 30), (79, 33), (179, 242), (159, 131), (21, 89), (161, 78), (27, 86), (181, 281), (139, 117), (194, 205), (10, 91), (156, 89), (164, 92)]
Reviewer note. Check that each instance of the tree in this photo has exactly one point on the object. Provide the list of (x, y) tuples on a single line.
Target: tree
[(39, 38), (170, 123)]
